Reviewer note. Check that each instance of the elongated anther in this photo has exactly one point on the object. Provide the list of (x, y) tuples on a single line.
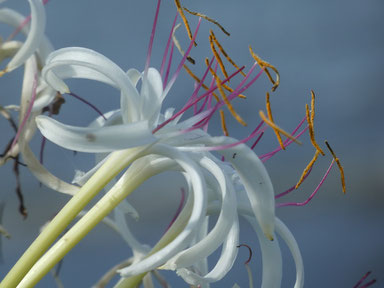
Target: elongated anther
[(339, 165), (269, 112)]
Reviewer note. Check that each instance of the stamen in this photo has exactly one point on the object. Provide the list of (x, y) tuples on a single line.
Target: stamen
[(339, 165), (186, 24), (89, 104), (186, 107), (257, 140), (8, 116), (309, 167), (310, 124), (167, 47), (274, 126), (224, 53), (313, 193), (208, 19), (277, 196), (177, 72), (218, 58), (269, 112), (225, 99), (151, 42), (223, 125), (267, 65), (197, 79), (250, 252)]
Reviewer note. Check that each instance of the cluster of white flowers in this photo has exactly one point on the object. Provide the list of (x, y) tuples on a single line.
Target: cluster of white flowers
[(142, 139)]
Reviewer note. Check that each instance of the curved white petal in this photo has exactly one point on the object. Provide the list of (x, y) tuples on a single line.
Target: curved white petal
[(257, 184), (219, 233), (287, 236), (194, 221), (271, 257), (151, 92), (77, 62), (105, 139), (223, 265), (34, 37)]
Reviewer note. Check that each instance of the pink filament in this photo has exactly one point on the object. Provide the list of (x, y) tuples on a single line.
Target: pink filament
[(151, 41), (89, 104), (167, 47), (21, 26), (177, 72), (169, 65), (362, 280), (312, 195), (28, 113), (293, 187)]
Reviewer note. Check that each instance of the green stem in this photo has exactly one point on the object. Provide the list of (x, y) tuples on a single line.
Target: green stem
[(116, 162), (126, 184)]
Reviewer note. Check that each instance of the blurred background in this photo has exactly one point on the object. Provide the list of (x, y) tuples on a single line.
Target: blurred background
[(333, 47)]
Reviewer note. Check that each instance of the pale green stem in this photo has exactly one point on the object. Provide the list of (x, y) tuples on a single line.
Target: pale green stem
[(113, 166), (127, 184)]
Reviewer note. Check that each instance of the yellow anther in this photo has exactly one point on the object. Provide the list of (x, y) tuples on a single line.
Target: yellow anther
[(185, 21), (225, 53), (274, 126), (217, 56), (269, 112), (311, 131), (223, 124), (225, 99), (266, 65), (2, 72), (309, 166), (208, 19), (312, 107), (339, 165), (197, 79)]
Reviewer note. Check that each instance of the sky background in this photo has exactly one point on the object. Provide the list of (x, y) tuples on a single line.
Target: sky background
[(333, 47)]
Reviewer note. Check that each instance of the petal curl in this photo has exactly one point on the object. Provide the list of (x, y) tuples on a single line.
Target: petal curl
[(95, 140)]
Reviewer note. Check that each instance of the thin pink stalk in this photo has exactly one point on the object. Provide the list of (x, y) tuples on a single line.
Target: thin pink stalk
[(148, 60), (177, 72), (293, 187), (202, 80), (312, 195), (28, 113), (21, 26), (169, 65), (362, 280), (286, 143), (167, 47), (258, 138)]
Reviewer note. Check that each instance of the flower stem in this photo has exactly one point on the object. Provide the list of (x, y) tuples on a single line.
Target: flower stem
[(116, 162)]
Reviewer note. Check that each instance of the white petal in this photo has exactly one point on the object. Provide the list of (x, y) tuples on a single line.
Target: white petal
[(223, 265), (151, 92), (287, 236), (257, 183), (219, 233), (76, 62), (271, 257), (42, 174), (195, 220), (34, 37), (105, 139)]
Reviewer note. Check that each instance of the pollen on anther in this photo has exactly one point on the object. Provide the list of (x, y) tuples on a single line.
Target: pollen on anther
[(339, 165), (309, 166), (275, 127), (310, 118), (223, 124), (185, 21), (269, 112), (266, 65)]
